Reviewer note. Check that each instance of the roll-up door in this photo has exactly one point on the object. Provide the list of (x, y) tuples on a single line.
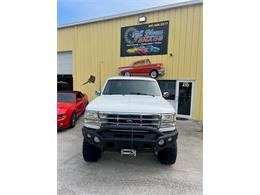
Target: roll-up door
[(64, 61)]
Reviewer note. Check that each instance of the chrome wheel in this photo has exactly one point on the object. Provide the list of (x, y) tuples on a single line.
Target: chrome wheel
[(154, 74), (127, 74)]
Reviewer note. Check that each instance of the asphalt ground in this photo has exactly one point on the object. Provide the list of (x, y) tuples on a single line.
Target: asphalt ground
[(142, 174)]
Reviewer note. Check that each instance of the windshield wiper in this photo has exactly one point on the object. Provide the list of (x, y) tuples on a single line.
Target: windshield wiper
[(138, 93)]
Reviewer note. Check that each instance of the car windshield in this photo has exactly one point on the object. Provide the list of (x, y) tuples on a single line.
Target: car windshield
[(131, 87), (65, 97), (137, 63)]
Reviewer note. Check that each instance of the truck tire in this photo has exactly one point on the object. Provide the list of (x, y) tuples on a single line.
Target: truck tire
[(168, 155), (90, 152)]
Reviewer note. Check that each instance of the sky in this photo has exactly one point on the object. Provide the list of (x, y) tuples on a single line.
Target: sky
[(71, 11)]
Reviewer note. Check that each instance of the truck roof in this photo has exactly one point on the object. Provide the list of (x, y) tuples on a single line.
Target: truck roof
[(131, 78)]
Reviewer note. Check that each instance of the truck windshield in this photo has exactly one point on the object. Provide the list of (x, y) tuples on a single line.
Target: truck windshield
[(131, 87)]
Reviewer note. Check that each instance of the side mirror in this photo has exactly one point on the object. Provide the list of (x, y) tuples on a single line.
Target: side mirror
[(98, 93), (166, 94)]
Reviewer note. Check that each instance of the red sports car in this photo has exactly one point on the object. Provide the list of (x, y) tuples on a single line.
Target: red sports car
[(70, 106), (143, 67)]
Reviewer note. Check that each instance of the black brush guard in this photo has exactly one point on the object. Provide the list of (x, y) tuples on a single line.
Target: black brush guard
[(114, 138)]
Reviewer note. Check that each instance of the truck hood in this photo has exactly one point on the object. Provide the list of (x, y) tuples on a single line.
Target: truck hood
[(131, 104)]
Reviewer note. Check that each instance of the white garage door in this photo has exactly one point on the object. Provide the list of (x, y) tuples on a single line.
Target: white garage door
[(64, 63)]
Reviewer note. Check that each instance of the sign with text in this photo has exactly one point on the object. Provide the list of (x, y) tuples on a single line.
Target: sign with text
[(145, 39)]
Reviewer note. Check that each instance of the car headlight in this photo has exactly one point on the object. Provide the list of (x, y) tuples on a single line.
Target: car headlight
[(168, 120), (91, 119), (61, 116)]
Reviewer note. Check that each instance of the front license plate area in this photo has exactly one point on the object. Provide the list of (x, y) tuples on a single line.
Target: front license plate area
[(128, 152)]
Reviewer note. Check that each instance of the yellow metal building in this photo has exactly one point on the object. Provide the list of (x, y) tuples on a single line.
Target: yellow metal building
[(95, 48)]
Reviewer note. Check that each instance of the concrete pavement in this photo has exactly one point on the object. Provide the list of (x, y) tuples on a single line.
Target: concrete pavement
[(142, 174)]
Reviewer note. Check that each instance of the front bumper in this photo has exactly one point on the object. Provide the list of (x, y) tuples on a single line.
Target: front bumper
[(161, 71), (142, 139), (63, 123)]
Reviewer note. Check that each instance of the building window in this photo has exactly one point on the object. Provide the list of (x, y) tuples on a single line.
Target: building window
[(168, 86)]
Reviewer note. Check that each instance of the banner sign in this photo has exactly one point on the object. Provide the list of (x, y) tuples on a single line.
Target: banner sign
[(145, 39)]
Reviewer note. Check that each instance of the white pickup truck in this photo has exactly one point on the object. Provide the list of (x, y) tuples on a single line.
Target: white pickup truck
[(130, 115)]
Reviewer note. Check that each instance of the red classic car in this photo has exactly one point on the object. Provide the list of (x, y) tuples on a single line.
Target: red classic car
[(70, 106), (143, 67)]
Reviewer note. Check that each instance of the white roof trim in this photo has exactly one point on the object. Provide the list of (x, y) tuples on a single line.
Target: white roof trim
[(179, 4)]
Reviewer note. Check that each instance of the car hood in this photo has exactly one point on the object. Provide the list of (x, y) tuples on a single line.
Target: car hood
[(62, 107), (131, 104)]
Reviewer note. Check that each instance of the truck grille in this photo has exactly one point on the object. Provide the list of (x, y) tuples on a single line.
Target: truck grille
[(145, 120)]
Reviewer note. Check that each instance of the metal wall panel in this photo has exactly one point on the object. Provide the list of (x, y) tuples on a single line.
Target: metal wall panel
[(96, 49)]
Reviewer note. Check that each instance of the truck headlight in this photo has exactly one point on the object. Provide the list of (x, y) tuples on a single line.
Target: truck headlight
[(168, 120), (91, 119), (90, 115)]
